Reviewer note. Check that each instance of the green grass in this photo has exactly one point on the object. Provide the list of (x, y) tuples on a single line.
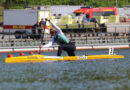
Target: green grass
[(1, 19), (1, 10), (1, 14), (77, 26)]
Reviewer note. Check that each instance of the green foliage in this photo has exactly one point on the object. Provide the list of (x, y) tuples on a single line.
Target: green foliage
[(2, 1), (1, 19), (1, 12), (95, 3), (16, 7)]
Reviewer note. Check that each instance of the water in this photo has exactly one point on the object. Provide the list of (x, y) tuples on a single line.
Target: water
[(107, 74)]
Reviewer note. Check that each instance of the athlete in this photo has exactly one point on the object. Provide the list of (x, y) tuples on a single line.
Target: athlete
[(59, 38)]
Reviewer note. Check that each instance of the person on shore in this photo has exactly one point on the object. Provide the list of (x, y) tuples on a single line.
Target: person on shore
[(59, 37), (35, 27), (42, 27), (35, 30), (42, 23)]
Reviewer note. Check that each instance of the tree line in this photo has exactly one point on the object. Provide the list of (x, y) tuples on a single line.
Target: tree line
[(10, 4)]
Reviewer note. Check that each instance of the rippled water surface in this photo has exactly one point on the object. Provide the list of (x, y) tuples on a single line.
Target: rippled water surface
[(107, 74)]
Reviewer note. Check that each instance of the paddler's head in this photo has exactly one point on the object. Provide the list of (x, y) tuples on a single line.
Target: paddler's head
[(53, 31)]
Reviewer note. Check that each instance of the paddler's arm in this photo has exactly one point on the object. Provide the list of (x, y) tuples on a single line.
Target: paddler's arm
[(55, 26), (50, 43)]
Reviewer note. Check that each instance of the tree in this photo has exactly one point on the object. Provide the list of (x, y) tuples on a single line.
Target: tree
[(94, 3)]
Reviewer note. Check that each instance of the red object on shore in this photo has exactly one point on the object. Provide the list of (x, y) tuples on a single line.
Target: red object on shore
[(30, 52), (37, 51), (10, 55), (21, 54)]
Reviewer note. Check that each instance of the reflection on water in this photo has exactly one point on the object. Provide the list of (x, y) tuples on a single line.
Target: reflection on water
[(89, 74)]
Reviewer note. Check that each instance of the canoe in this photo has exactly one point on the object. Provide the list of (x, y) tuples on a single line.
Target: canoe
[(43, 58)]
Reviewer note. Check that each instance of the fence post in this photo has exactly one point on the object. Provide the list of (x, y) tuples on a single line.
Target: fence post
[(129, 35), (9, 35), (115, 31), (129, 31)]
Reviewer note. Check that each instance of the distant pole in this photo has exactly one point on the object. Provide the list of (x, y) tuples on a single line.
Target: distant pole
[(116, 3)]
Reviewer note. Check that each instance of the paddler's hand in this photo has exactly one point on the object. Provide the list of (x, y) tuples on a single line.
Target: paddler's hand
[(41, 46)]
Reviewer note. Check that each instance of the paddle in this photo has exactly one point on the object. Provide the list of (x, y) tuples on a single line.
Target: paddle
[(42, 37)]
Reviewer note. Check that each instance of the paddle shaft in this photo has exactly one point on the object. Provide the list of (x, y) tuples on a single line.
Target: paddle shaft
[(42, 37)]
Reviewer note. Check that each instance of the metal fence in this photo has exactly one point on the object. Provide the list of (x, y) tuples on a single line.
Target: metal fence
[(78, 37)]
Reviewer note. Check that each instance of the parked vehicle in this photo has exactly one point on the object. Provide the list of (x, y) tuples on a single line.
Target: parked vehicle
[(90, 12), (20, 22)]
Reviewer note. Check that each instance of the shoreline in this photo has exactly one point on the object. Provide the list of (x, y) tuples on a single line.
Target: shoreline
[(89, 47)]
